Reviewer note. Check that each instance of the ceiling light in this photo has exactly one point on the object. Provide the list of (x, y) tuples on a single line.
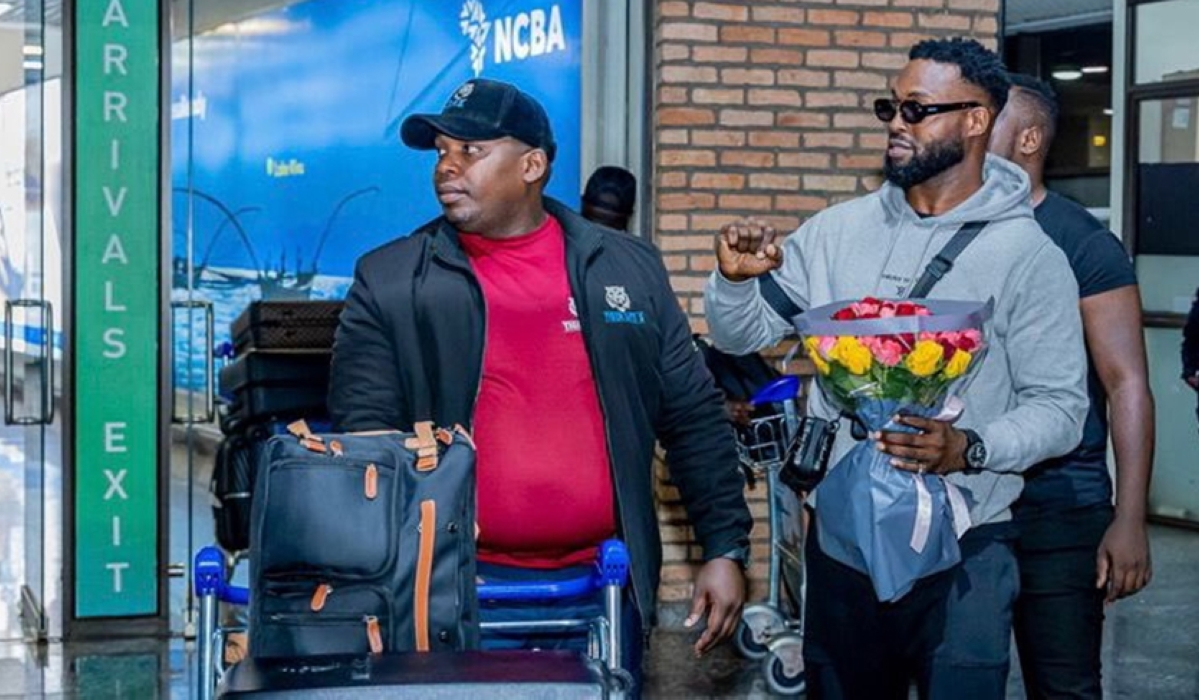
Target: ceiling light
[(5, 8), (31, 50), (32, 64), (1108, 111), (1093, 70), (1067, 74)]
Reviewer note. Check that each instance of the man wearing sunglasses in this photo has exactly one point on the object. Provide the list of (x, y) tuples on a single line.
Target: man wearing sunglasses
[(951, 633)]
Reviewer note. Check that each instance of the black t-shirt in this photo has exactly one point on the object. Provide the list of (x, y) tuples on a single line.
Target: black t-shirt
[(1100, 264)]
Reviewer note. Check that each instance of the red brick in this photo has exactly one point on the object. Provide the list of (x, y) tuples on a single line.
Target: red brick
[(710, 96), (674, 52), (779, 15), (773, 181), (803, 78), (672, 95), (805, 160), (745, 201), (887, 19), (958, 23), (846, 37), (747, 76), (799, 202), (719, 54), (674, 9), (786, 57), (746, 34), (718, 138), (685, 116), (703, 263), (672, 222), (688, 284), (987, 26), (773, 139), (709, 222), (861, 80), (832, 99), (718, 181), (728, 13), (692, 241), (687, 74), (828, 140), (833, 58), (674, 137), (675, 262), (977, 5), (906, 40), (851, 161), (831, 183), (842, 17), (742, 117), (689, 31), (876, 141), (804, 37), (858, 120), (671, 158), (807, 120), (919, 3), (673, 179), (889, 61), (785, 98), (747, 159)]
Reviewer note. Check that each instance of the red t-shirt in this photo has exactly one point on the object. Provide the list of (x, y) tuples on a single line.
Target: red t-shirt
[(545, 485)]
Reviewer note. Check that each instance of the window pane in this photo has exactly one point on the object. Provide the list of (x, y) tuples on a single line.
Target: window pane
[(1168, 177), (1165, 41)]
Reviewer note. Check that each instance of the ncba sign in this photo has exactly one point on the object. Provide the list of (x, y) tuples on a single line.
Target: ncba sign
[(513, 38)]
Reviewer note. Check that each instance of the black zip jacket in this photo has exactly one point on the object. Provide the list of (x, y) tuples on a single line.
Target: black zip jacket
[(410, 347)]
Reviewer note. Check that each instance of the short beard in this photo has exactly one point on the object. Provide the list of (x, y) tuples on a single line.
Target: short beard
[(924, 165)]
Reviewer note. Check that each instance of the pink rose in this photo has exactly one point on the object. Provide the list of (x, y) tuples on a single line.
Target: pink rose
[(886, 349)]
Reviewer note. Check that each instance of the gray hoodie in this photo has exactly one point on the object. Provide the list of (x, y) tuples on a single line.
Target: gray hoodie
[(1028, 399)]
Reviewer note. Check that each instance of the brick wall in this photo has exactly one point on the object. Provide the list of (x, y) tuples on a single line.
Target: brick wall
[(762, 108)]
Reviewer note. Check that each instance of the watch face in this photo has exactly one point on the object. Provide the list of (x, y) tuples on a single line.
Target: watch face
[(976, 455)]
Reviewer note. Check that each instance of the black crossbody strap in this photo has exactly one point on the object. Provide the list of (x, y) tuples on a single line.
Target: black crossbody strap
[(776, 298), (942, 262)]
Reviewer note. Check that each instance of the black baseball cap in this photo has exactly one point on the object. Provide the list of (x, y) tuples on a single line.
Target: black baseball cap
[(482, 110), (612, 188)]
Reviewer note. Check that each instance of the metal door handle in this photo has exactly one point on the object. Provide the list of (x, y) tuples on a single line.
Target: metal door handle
[(46, 415), (209, 362)]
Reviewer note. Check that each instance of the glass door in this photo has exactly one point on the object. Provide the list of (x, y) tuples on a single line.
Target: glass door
[(31, 290)]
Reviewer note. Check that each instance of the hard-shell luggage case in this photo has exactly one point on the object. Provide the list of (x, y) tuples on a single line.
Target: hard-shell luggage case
[(472, 674), (269, 325), (276, 385)]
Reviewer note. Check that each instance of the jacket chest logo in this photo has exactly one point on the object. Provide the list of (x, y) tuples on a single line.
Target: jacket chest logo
[(619, 303)]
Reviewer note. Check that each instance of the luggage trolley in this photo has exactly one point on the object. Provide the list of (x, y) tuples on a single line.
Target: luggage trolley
[(772, 631), (403, 675)]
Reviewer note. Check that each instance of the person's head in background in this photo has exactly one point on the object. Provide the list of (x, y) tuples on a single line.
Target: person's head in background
[(1026, 127), (610, 197)]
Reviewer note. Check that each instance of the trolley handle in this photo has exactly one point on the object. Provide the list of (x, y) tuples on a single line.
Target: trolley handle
[(611, 569)]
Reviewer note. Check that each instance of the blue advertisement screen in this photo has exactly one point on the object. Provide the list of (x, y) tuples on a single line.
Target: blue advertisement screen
[(286, 159)]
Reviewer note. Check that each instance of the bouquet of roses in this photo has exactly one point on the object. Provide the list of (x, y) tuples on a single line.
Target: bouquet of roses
[(876, 359)]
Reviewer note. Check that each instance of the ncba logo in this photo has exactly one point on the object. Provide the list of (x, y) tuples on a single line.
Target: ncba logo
[(514, 38)]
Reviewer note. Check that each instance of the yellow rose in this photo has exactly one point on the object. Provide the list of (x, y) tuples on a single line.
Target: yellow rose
[(924, 358), (852, 355), (812, 346), (957, 364)]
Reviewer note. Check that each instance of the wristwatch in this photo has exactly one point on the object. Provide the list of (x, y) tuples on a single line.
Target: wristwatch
[(739, 555), (976, 451)]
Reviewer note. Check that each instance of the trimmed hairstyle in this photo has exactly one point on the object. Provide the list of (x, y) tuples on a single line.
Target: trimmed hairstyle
[(978, 65), (1041, 100)]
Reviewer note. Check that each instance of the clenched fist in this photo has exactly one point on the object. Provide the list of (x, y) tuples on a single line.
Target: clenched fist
[(746, 248)]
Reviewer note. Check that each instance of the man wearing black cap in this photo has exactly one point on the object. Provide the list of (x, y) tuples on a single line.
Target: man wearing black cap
[(563, 348), (609, 197)]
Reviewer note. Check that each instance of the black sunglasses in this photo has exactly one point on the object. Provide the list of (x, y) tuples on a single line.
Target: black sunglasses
[(914, 112)]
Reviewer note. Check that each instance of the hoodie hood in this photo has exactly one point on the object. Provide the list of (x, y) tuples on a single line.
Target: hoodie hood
[(1005, 194)]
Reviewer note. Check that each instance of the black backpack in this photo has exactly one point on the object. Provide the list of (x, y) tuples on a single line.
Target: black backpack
[(232, 486), (364, 543)]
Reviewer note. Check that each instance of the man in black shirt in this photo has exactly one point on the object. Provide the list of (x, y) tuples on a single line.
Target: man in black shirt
[(1076, 551), (1190, 347)]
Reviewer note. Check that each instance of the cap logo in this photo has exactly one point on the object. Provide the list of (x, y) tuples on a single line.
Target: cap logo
[(458, 99), (473, 22)]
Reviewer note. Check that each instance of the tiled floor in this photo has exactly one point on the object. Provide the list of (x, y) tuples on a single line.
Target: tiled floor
[(1151, 652)]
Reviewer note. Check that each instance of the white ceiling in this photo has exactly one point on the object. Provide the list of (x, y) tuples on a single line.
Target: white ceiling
[(1037, 15)]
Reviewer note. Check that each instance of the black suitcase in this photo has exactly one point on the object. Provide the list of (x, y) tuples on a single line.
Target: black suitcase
[(269, 325), (275, 385), (471, 674)]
